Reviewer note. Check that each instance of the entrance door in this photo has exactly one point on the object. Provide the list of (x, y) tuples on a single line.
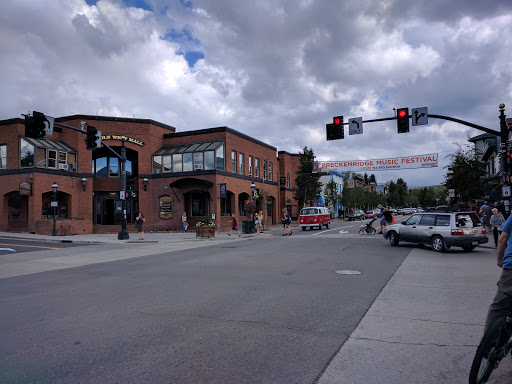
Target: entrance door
[(109, 209)]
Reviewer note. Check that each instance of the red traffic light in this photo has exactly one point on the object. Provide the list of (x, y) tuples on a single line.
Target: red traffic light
[(337, 120), (402, 113)]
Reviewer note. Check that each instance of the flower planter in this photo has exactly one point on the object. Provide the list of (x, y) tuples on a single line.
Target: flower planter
[(205, 231)]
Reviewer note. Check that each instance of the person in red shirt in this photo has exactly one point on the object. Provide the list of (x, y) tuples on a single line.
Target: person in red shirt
[(234, 225)]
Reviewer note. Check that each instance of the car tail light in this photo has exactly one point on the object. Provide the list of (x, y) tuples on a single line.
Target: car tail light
[(484, 231), (457, 232)]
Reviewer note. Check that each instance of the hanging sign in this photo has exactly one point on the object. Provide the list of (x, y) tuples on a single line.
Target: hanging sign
[(393, 163), (166, 207)]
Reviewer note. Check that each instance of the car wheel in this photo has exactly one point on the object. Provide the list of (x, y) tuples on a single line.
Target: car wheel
[(327, 225), (393, 238), (468, 248), (303, 228), (437, 244)]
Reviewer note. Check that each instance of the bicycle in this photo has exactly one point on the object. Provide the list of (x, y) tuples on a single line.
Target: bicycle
[(494, 347), (368, 228)]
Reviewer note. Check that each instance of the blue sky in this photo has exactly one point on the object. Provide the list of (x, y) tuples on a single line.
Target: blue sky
[(276, 70)]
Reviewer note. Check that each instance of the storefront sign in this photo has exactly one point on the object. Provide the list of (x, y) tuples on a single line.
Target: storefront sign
[(121, 137), (166, 207), (394, 163), (223, 193), (25, 189)]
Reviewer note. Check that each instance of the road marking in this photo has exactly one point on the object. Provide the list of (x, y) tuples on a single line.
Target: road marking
[(29, 246), (343, 232), (7, 249), (328, 230)]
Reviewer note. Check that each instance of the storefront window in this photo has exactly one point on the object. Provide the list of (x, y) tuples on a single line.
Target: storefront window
[(3, 156), (219, 153), (177, 165), (26, 154), (187, 162), (113, 167), (209, 160), (167, 163)]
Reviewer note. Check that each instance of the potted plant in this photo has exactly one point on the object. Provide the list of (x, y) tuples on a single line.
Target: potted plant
[(205, 228)]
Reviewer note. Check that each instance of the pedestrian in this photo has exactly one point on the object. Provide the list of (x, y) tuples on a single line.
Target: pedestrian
[(383, 218), (234, 225), (140, 225), (487, 213), (503, 300), (287, 220), (184, 223), (259, 222), (497, 220), (340, 214)]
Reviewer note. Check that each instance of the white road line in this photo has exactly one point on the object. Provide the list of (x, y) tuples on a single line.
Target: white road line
[(7, 249), (328, 230)]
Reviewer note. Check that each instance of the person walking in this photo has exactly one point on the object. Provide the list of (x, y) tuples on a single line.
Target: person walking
[(381, 217), (287, 221), (184, 223), (140, 225), (259, 221), (497, 220), (234, 225), (487, 213), (503, 300)]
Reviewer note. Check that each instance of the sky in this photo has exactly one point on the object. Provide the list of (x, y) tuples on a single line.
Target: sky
[(276, 70)]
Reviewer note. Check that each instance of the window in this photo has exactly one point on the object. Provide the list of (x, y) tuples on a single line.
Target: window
[(250, 165), (3, 156), (413, 220), (188, 162), (113, 167), (63, 161), (241, 163), (72, 162), (46, 154), (443, 220), (257, 168), (177, 165), (288, 180), (157, 164), (41, 157), (428, 220), (233, 161), (26, 154), (209, 160), (270, 171), (52, 159), (264, 169), (219, 154), (198, 160), (167, 163)]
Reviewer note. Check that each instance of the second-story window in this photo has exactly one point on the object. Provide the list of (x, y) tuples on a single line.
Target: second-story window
[(270, 171), (288, 180), (264, 169), (3, 156), (233, 161), (241, 163), (257, 168), (250, 166)]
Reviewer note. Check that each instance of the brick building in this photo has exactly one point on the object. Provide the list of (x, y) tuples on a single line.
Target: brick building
[(206, 173)]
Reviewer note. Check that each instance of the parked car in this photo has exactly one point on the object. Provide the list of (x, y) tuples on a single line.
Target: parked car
[(441, 230), (314, 217), (369, 214), (356, 214)]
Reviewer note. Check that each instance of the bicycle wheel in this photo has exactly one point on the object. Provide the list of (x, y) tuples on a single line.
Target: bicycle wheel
[(486, 354), (372, 231), (361, 231)]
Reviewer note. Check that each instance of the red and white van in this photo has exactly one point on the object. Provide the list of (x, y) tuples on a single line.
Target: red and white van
[(314, 217)]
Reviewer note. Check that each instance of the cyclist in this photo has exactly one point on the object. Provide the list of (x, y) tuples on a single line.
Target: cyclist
[(503, 299)]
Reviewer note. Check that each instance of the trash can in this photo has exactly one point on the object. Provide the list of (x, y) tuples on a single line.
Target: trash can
[(244, 226)]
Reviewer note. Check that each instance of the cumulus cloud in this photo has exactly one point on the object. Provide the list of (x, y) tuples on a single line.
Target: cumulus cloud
[(276, 70)]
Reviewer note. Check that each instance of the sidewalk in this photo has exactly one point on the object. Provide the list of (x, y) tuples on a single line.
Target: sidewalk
[(425, 325)]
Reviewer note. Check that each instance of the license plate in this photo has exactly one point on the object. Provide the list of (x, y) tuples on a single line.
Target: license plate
[(474, 242)]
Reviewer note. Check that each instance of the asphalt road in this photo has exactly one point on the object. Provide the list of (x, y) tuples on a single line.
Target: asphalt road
[(255, 311), (11, 245)]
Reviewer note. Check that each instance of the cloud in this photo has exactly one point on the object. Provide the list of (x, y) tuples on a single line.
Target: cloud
[(276, 70)]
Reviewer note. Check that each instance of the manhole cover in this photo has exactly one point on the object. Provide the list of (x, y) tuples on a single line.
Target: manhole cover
[(348, 272)]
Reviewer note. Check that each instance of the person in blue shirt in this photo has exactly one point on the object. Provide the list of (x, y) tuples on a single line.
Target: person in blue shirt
[(502, 303)]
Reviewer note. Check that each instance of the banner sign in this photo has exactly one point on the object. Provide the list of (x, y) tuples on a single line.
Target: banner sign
[(223, 191), (393, 163)]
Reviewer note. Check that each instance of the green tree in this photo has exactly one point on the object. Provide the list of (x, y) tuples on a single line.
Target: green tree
[(373, 179), (308, 184), (467, 175), (331, 195)]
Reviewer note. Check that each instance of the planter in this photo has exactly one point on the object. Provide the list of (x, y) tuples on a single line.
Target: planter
[(205, 231)]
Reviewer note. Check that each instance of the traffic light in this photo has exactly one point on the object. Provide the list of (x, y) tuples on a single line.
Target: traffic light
[(402, 120), (92, 137), (35, 127), (129, 183), (335, 130)]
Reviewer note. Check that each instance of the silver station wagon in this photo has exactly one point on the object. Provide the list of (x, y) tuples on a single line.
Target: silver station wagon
[(441, 230)]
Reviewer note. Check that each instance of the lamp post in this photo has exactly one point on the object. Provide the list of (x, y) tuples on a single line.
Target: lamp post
[(253, 187), (54, 204)]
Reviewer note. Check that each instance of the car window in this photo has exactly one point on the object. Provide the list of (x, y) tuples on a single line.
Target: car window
[(428, 220), (443, 220), (467, 220), (413, 220)]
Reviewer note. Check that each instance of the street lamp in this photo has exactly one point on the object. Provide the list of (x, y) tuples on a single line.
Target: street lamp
[(84, 182), (145, 183), (253, 187), (54, 204)]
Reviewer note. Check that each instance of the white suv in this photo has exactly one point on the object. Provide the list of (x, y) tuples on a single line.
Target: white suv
[(441, 230)]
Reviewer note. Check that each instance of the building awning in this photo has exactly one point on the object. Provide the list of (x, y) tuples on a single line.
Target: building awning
[(50, 144), (186, 181)]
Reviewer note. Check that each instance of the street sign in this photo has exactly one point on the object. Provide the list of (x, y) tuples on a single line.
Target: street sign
[(48, 125), (355, 126), (419, 116), (505, 191), (122, 195)]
